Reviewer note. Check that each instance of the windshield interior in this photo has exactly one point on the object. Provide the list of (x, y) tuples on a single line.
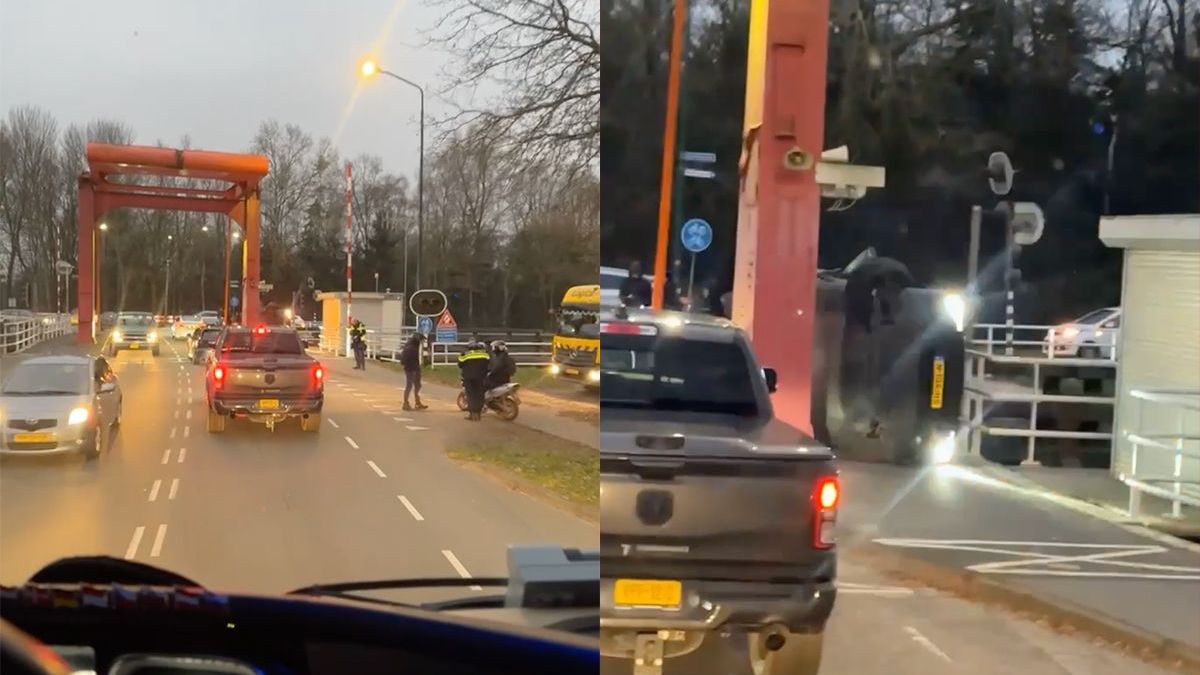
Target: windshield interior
[(135, 320), (669, 373), (47, 379)]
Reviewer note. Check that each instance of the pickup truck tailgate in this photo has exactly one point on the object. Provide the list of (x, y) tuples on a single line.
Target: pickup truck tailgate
[(711, 498), (254, 374)]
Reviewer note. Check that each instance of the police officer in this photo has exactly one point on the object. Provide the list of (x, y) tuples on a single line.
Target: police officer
[(358, 342), (473, 364), (501, 367)]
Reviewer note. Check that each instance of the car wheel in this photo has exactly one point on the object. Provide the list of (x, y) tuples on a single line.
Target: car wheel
[(97, 446), (1089, 353), (311, 422), (216, 422), (799, 655), (154, 351), (117, 420)]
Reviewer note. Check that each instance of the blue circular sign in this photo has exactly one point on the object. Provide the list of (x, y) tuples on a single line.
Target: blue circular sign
[(697, 235), (425, 325)]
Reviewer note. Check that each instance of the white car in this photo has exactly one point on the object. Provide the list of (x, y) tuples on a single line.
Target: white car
[(1091, 336), (185, 326)]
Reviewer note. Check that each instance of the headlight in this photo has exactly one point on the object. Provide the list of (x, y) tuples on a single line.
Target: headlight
[(152, 336), (955, 307), (1070, 332), (117, 337), (593, 376), (943, 448), (78, 416)]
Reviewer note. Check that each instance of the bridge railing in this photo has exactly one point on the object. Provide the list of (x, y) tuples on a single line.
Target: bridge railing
[(526, 347), (1180, 444), (17, 335), (981, 393)]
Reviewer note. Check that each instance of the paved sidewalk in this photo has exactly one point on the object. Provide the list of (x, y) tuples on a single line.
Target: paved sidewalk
[(955, 528), (537, 412)]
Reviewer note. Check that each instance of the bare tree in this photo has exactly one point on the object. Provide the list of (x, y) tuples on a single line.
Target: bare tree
[(545, 56), (28, 163)]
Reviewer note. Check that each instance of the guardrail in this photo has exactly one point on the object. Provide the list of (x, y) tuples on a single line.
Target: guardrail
[(1176, 488), (386, 346), (991, 338), (979, 393), (17, 335)]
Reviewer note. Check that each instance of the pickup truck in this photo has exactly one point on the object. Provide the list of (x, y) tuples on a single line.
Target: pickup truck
[(263, 375), (714, 514)]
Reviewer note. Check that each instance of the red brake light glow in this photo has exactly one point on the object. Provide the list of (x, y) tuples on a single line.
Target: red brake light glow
[(218, 373), (261, 330), (828, 493), (319, 373), (626, 328)]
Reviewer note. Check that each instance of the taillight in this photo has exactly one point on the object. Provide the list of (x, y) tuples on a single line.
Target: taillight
[(826, 496), (319, 374), (218, 374)]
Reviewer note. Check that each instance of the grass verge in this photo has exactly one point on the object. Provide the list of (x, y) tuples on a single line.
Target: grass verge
[(533, 462), (527, 376)]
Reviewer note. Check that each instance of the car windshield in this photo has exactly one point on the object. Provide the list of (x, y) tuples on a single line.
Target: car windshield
[(579, 322), (675, 374), (31, 379), (1093, 318), (135, 320), (209, 337)]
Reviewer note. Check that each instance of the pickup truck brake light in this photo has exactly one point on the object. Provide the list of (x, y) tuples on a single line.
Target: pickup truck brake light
[(826, 496), (218, 375), (318, 374)]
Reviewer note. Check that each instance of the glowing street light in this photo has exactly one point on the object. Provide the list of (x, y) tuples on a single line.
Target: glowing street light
[(370, 68)]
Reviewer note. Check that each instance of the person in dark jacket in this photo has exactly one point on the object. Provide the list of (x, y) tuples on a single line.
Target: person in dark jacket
[(473, 364), (635, 290), (410, 359), (501, 367), (358, 343)]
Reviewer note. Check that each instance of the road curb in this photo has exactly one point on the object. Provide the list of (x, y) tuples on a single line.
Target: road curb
[(1059, 612)]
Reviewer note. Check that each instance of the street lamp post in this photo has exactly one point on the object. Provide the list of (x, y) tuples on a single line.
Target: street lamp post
[(370, 68)]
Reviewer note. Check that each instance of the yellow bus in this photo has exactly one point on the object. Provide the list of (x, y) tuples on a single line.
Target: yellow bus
[(577, 338)]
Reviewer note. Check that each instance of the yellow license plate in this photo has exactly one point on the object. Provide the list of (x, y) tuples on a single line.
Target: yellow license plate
[(939, 383), (268, 403), (572, 371), (133, 345), (648, 593), (34, 437)]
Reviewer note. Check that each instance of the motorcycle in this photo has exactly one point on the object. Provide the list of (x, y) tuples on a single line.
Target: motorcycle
[(502, 400)]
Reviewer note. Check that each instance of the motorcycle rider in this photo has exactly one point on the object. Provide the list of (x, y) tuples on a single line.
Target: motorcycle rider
[(473, 364), (358, 342), (501, 367), (410, 359)]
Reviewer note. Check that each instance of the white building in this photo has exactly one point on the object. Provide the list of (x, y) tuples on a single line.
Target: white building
[(382, 314), (1159, 343)]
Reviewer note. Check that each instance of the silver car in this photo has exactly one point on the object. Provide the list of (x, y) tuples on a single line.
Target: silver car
[(58, 405)]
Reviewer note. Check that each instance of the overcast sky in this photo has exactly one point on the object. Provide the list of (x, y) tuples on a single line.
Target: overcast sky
[(215, 68)]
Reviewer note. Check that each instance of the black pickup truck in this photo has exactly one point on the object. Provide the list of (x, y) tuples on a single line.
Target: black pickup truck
[(263, 375), (714, 514)]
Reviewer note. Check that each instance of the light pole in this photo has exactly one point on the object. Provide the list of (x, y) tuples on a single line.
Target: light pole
[(370, 68), (167, 283)]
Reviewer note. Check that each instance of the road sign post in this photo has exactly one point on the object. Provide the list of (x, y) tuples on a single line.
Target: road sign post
[(697, 236), (447, 328)]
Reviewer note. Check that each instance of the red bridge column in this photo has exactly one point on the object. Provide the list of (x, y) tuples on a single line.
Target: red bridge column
[(774, 295), (250, 261), (86, 219)]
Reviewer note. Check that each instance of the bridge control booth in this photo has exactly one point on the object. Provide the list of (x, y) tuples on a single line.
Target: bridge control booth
[(1156, 439), (382, 313)]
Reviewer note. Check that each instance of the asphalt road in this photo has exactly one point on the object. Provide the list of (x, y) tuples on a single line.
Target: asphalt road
[(881, 628), (370, 496)]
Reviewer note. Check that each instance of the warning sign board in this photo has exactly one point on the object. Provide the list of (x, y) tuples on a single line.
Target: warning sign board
[(447, 328)]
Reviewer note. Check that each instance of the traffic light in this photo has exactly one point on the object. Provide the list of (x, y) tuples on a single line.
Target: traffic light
[(427, 302)]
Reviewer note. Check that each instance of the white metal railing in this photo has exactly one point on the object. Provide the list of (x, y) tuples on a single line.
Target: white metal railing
[(17, 335), (386, 346), (979, 392), (1177, 488), (991, 338)]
